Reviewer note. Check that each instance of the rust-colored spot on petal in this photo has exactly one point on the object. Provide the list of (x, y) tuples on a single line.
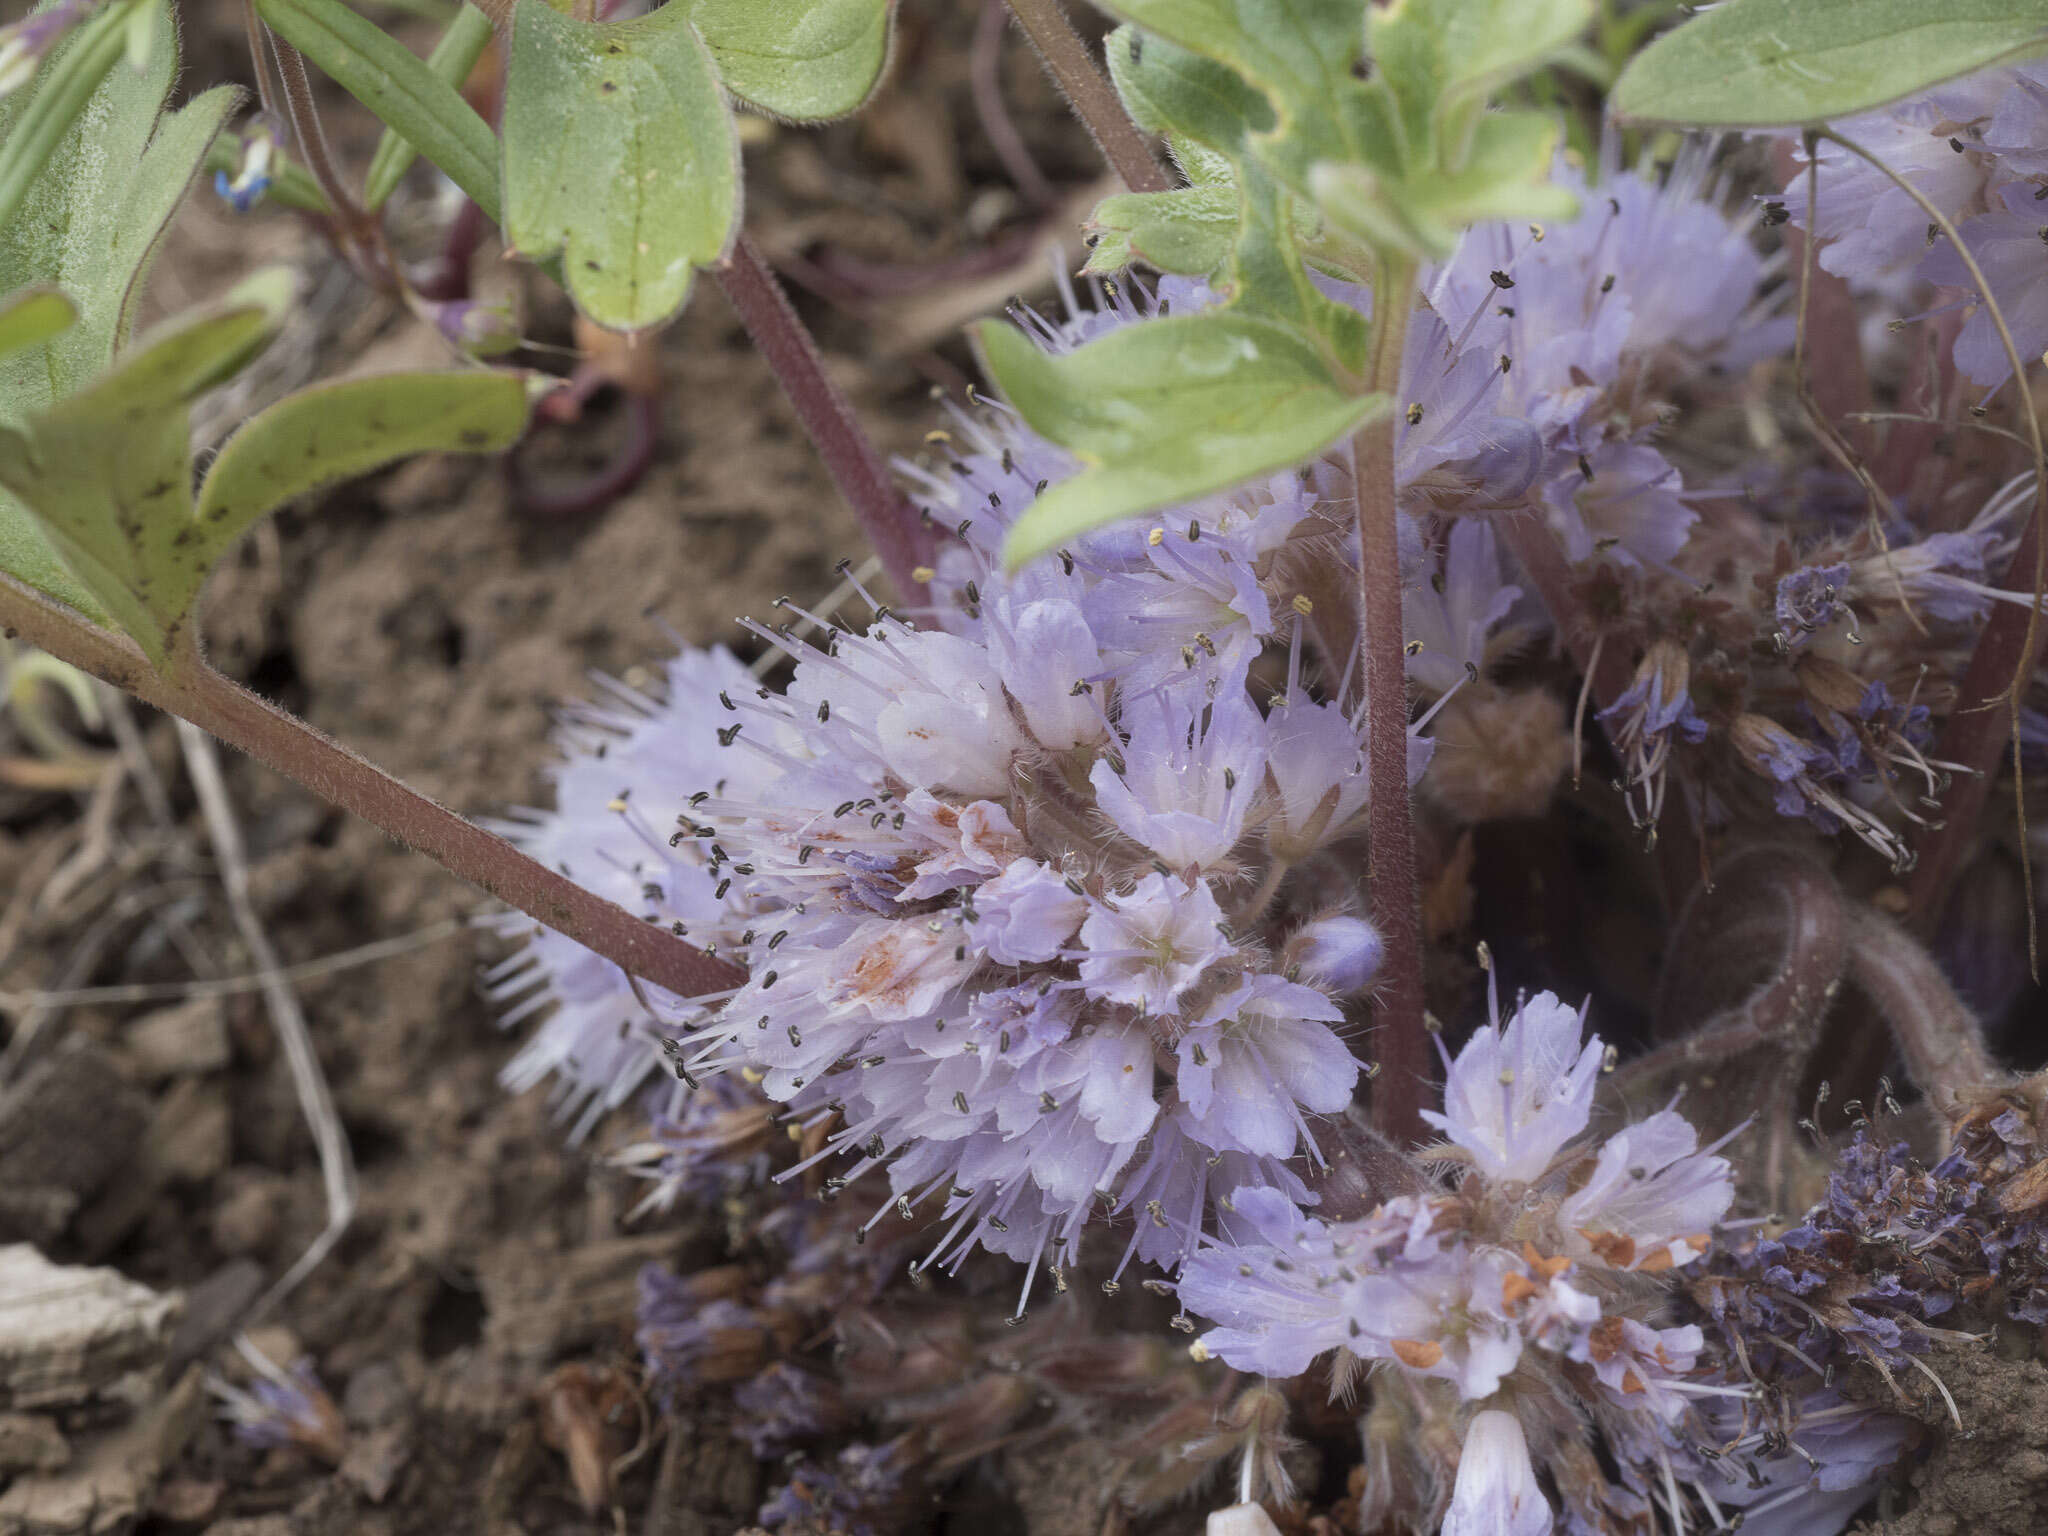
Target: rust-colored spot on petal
[(1548, 1269), (1631, 1383), (1611, 1247), (1418, 1353), (1516, 1287), (1605, 1341)]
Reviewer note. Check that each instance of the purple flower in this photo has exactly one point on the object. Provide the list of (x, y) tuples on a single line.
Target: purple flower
[(1808, 601), (629, 765), (1257, 1059), (1338, 952), (1188, 776), (1656, 705), (26, 43), (1517, 1094), (1652, 1185), (1624, 501), (1451, 618), (784, 1406), (1871, 228), (1800, 773), (2009, 247), (1146, 947)]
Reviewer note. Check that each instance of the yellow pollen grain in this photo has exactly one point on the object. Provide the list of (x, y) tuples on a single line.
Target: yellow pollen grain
[(1156, 537), (1302, 605), (923, 573)]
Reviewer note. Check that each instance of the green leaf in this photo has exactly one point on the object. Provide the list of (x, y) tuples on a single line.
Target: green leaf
[(396, 84), (117, 518), (1483, 44), (33, 123), (1164, 412), (89, 225), (1170, 90), (1776, 63), (1503, 177), (805, 60), (619, 152), (334, 432), (454, 56), (1189, 230), (1298, 52), (33, 316), (126, 523)]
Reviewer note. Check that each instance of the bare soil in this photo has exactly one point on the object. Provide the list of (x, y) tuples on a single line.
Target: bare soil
[(426, 621)]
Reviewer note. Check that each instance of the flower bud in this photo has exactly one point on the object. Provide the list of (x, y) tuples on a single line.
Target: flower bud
[(1769, 749), (25, 44), (1341, 953), (260, 137), (1830, 687), (1241, 1520)]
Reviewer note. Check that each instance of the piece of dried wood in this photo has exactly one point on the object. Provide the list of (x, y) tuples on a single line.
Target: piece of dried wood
[(68, 1335), (113, 1476), (31, 1443)]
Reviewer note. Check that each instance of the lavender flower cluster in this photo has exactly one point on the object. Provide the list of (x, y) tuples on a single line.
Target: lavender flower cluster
[(1977, 149), (1048, 903)]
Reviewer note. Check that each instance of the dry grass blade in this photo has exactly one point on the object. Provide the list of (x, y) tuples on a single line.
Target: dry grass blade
[(337, 1166)]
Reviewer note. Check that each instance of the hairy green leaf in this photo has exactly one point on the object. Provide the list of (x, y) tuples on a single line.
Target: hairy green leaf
[(398, 86), (805, 60), (1189, 230), (1298, 52), (619, 152), (33, 316), (1483, 44), (33, 123), (1164, 412), (454, 56), (89, 224), (1503, 177), (1776, 63), (332, 432), (115, 517), (1172, 91)]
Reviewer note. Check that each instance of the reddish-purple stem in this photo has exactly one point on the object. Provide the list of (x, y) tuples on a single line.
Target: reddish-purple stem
[(1976, 734), (1092, 97), (892, 525), (984, 71), (193, 691), (1400, 1041), (592, 493)]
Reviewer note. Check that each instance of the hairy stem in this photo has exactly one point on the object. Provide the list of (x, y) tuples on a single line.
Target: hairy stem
[(196, 693), (1934, 1028), (1401, 1043), (309, 134), (985, 71), (1770, 910), (1092, 97), (2008, 649), (886, 515)]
